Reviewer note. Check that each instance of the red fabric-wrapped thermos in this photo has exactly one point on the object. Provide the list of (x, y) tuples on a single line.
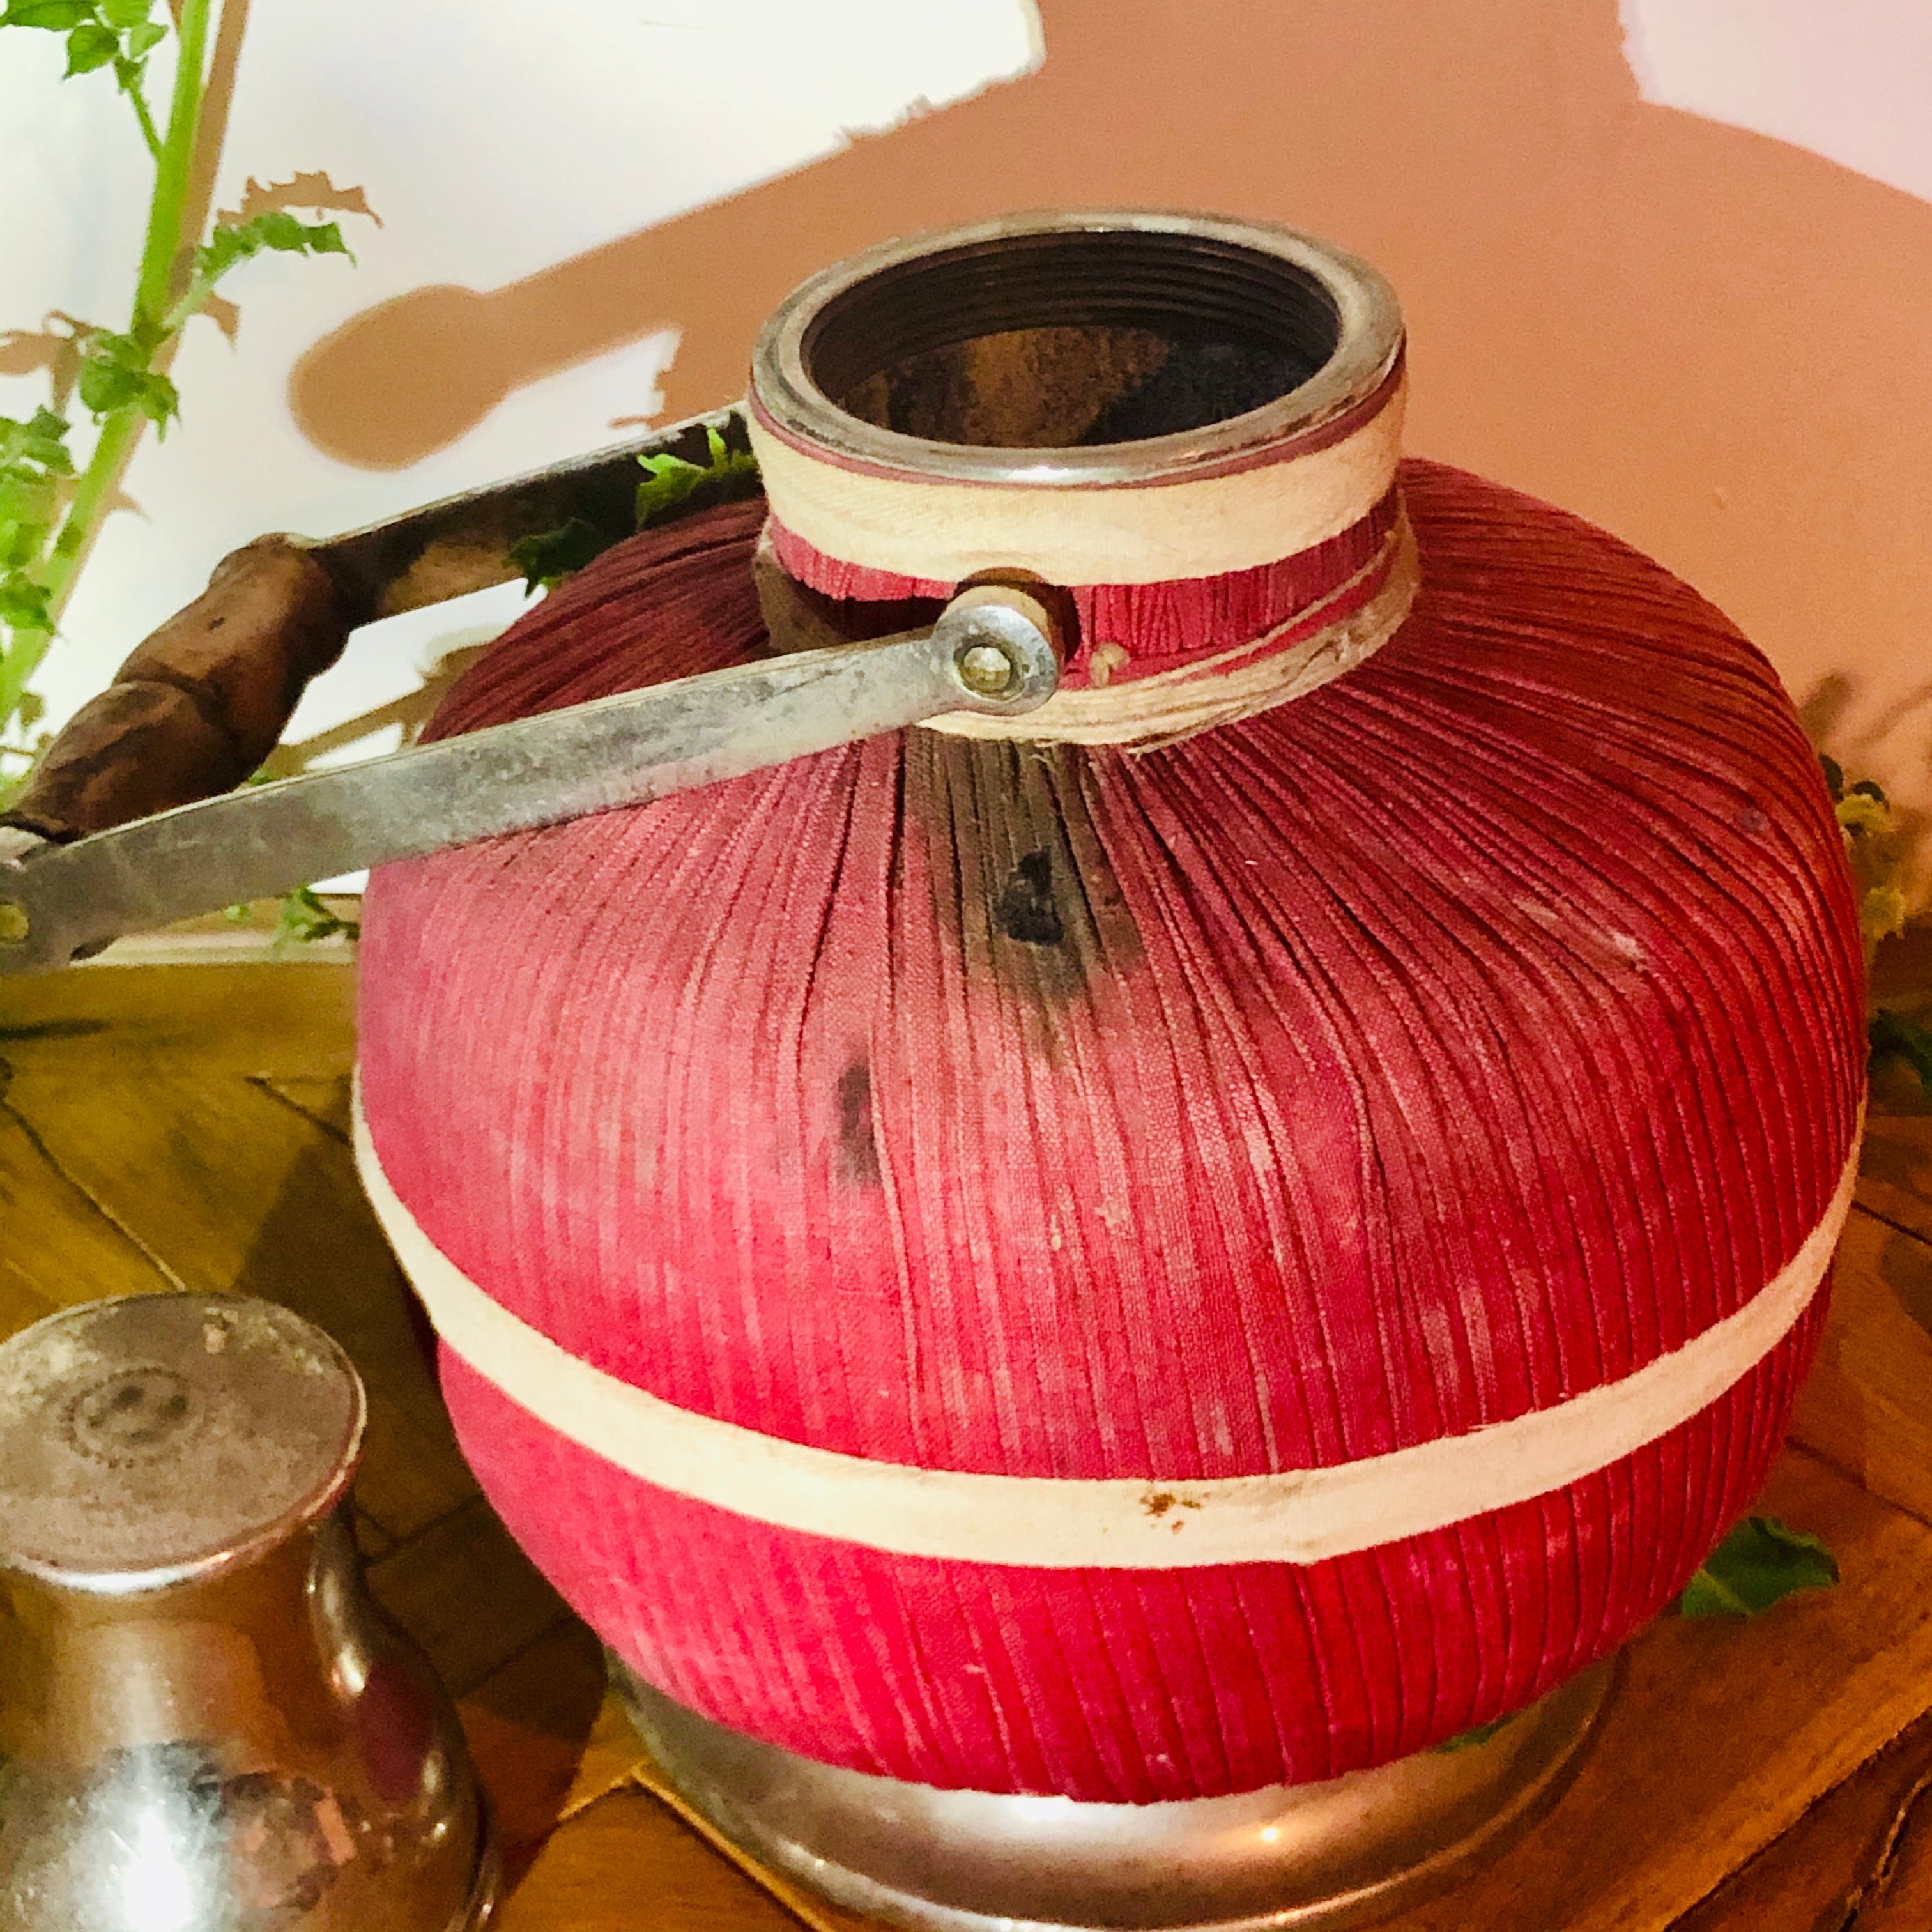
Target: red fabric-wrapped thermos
[(1246, 1227)]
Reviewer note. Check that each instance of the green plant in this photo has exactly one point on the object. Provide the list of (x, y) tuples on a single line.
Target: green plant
[(304, 918), (1871, 850), (726, 473), (51, 507), (1761, 1562)]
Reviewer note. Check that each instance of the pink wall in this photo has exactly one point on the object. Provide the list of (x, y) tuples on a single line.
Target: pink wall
[(1711, 341), (1668, 264)]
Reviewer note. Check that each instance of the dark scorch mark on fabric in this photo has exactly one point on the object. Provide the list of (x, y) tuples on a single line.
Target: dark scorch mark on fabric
[(1026, 911), (858, 1147)]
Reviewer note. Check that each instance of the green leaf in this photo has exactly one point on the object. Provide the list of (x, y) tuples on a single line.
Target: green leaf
[(1859, 812), (22, 547), (27, 498), (128, 75), (1895, 1037), (21, 482), (304, 918), (1881, 913), (547, 560), (136, 347), (126, 15), (107, 386), (143, 40), (90, 46), (29, 506), (277, 230), (1760, 1562), (669, 481), (58, 17), (115, 375), (26, 490), (23, 604), (41, 440)]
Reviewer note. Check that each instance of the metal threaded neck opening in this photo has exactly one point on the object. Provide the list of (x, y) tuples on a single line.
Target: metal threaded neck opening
[(1097, 347)]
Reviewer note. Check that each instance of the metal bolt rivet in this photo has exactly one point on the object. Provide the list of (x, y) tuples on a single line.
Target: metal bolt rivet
[(15, 926), (985, 669)]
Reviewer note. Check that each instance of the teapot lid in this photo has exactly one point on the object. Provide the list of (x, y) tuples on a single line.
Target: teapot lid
[(154, 1438)]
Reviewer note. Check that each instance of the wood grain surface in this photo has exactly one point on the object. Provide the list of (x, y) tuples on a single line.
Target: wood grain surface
[(185, 1126)]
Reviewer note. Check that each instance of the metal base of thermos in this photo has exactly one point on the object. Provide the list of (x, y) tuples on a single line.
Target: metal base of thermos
[(1289, 1857)]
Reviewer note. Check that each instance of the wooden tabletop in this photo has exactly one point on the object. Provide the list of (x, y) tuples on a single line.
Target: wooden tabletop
[(184, 1125)]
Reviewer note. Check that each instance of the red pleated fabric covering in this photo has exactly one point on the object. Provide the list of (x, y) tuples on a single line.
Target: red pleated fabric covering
[(1157, 626), (1403, 1059)]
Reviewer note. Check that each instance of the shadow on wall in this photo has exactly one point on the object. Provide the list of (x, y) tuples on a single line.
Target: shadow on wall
[(1710, 342)]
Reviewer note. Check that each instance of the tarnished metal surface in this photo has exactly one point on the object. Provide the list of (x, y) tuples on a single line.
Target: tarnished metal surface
[(620, 751), (155, 1440), (1289, 1858), (206, 1724)]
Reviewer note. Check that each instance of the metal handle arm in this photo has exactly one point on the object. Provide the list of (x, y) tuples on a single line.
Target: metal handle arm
[(993, 648)]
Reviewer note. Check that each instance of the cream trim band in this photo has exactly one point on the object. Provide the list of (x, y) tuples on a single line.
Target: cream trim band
[(1147, 711), (1150, 533), (1301, 1516)]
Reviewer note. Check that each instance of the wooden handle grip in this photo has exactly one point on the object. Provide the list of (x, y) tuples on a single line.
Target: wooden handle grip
[(200, 704)]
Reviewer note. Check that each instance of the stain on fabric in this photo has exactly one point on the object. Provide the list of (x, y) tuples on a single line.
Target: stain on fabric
[(1026, 911), (858, 1147)]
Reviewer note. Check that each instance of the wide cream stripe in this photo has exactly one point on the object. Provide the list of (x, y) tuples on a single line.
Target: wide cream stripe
[(1304, 1516), (1202, 526)]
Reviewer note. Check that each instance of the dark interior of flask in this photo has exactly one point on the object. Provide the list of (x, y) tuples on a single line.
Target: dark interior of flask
[(1060, 340)]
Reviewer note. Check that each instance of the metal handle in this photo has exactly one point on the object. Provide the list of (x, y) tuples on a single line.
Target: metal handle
[(200, 704), (993, 648)]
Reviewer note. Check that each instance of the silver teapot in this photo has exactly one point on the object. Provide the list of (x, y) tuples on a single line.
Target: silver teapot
[(206, 1725)]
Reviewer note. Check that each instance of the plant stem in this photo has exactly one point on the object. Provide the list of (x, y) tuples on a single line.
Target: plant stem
[(163, 244), (121, 430), (197, 291)]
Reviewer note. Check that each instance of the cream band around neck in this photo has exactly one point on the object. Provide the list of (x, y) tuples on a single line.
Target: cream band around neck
[(1149, 533)]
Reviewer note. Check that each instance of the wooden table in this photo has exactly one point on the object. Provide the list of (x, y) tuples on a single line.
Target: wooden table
[(184, 1126)]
